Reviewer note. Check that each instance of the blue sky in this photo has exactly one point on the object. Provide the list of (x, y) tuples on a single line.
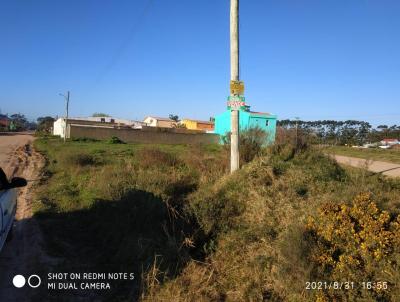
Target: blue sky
[(326, 59)]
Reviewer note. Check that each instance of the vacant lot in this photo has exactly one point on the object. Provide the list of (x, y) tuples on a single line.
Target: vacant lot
[(372, 153), (114, 207), (192, 232)]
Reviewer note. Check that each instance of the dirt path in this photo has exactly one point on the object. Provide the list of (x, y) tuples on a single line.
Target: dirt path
[(388, 169), (23, 254), (9, 143)]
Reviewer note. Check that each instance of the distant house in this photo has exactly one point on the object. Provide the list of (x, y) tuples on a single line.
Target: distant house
[(59, 126), (370, 145), (4, 121), (389, 141), (109, 120), (163, 122), (247, 119), (197, 125)]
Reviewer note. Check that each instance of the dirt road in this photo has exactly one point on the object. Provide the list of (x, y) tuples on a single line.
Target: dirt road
[(9, 143), (23, 254), (388, 169)]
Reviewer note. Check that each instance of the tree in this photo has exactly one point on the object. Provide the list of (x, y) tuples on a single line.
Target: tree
[(363, 132), (99, 114), (19, 122), (343, 132), (45, 124), (174, 117)]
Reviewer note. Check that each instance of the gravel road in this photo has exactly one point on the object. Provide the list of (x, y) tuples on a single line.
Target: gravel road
[(388, 169), (23, 254), (9, 143)]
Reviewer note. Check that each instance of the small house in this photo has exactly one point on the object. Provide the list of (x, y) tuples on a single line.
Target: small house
[(197, 125), (390, 141), (163, 122), (60, 129), (5, 121), (247, 119)]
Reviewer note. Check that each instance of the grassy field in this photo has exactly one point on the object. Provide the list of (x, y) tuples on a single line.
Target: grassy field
[(107, 207), (373, 154), (192, 232)]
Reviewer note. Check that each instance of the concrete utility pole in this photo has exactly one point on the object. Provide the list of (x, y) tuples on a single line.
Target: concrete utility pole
[(66, 97), (234, 37), (66, 118), (297, 129)]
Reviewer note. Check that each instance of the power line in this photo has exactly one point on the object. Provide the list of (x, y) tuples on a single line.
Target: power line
[(125, 43), (362, 116)]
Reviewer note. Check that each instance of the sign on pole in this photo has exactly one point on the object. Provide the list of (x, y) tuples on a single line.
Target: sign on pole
[(236, 102), (237, 88)]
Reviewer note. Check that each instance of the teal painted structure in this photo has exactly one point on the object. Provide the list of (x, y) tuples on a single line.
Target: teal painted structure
[(247, 119)]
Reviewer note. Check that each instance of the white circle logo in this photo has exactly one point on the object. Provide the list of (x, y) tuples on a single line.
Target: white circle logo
[(19, 281), (35, 283)]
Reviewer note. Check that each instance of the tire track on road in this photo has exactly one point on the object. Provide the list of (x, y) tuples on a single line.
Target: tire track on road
[(24, 254)]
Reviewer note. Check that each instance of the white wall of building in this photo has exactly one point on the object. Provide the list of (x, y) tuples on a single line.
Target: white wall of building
[(151, 121), (59, 127), (108, 119)]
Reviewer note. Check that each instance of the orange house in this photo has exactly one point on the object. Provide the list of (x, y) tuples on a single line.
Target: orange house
[(197, 125)]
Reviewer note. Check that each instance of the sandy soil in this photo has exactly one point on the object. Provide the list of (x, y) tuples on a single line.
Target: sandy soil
[(388, 169), (9, 143), (23, 254)]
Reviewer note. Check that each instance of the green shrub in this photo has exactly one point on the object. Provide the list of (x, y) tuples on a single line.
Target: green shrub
[(84, 139), (115, 140), (251, 142), (297, 139), (44, 135), (78, 159), (323, 167), (217, 208)]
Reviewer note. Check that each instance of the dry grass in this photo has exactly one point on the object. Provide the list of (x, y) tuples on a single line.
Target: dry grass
[(206, 235), (257, 248), (150, 157), (389, 155)]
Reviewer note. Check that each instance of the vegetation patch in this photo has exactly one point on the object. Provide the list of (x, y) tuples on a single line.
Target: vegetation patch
[(116, 140), (369, 154), (192, 232), (79, 159), (258, 244), (119, 207), (354, 242)]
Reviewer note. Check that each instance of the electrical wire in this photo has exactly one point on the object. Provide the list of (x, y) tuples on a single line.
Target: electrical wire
[(125, 43), (365, 116)]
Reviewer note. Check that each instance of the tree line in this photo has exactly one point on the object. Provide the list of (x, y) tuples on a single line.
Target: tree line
[(15, 122), (351, 132), (19, 122)]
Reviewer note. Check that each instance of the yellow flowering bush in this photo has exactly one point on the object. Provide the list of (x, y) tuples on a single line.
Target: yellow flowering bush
[(356, 243)]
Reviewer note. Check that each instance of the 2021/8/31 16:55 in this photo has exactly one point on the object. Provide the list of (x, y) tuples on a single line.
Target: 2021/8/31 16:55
[(346, 285)]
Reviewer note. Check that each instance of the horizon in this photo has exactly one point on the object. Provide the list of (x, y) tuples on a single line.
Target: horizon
[(182, 118)]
